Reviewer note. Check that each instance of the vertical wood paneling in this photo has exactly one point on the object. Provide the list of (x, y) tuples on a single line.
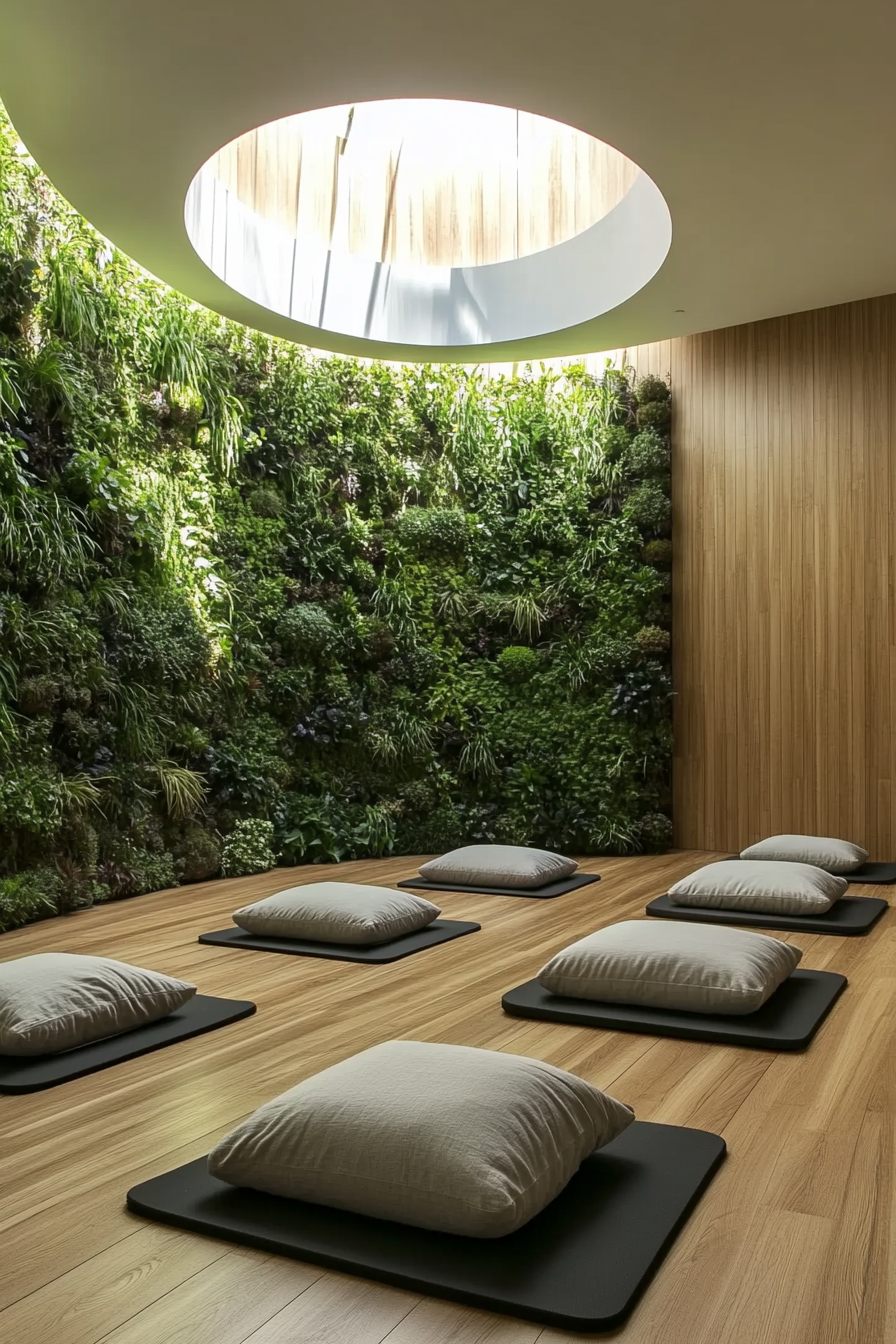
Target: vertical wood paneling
[(784, 456)]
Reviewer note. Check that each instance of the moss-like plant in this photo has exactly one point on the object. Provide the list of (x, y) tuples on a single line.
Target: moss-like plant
[(658, 552), (651, 640), (433, 531), (307, 629), (518, 663)]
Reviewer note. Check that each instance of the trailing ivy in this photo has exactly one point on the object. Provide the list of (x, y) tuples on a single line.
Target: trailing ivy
[(257, 604)]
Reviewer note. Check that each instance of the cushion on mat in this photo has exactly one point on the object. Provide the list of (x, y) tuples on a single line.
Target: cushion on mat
[(446, 1137), (56, 1001), (834, 856), (337, 912), (498, 866), (762, 886), (686, 966)]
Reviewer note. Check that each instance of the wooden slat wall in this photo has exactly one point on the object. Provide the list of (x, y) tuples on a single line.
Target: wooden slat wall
[(784, 472), (548, 184)]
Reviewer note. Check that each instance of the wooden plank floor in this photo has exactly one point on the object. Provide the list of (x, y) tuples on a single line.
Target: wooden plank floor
[(793, 1243)]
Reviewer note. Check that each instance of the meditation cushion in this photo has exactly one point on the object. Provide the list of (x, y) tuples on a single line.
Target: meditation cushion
[(474, 1142), (834, 856), (57, 1001), (498, 866), (690, 967), (337, 912), (763, 886)]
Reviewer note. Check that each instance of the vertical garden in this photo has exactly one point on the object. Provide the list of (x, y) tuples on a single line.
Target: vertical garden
[(258, 606)]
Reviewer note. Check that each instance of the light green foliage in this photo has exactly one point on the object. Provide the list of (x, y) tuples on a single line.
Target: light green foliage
[(322, 608), (248, 848), (518, 663), (27, 896)]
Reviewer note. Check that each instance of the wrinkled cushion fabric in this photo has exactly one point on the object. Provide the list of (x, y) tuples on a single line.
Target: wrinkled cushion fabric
[(689, 967), (337, 912), (762, 886), (474, 1142), (57, 1001), (498, 866), (834, 856)]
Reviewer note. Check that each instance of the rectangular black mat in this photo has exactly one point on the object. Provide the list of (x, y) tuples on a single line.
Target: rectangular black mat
[(534, 893), (849, 916), (786, 1021), (20, 1073), (582, 1263), (878, 873), (440, 931)]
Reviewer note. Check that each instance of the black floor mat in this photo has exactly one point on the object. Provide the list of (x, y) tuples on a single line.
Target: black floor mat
[(19, 1073), (786, 1021), (882, 873), (581, 1264), (544, 893), (440, 931), (849, 916)]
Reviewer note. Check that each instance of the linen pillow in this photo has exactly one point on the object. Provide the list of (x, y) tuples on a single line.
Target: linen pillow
[(689, 967), (448, 1137), (56, 1001), (834, 856), (760, 885), (498, 866), (337, 912)]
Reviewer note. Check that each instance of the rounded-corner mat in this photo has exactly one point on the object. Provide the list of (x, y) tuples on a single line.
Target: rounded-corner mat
[(581, 1264), (545, 893), (848, 917), (874, 871), (788, 1020), (439, 931), (201, 1014)]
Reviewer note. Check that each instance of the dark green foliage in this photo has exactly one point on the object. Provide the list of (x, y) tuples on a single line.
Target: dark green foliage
[(651, 388), (257, 604), (518, 663), (307, 629), (648, 455), (197, 853), (655, 832), (658, 552), (655, 415), (649, 508)]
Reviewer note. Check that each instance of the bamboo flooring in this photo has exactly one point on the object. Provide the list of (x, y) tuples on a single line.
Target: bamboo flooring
[(794, 1242)]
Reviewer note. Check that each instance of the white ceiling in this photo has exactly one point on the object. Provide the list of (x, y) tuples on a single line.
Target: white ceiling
[(769, 127)]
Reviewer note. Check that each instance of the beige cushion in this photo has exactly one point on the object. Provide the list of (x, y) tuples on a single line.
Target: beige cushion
[(55, 1001), (337, 912), (498, 866), (761, 886), (686, 966), (469, 1141), (834, 856)]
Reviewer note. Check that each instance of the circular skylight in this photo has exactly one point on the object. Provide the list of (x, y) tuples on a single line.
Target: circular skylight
[(428, 222)]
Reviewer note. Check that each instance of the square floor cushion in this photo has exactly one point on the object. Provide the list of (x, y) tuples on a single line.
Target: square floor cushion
[(498, 866), (337, 912), (446, 1137), (761, 887), (57, 1001), (834, 856), (688, 967)]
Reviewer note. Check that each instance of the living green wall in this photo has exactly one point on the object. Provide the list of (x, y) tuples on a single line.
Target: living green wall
[(258, 605)]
